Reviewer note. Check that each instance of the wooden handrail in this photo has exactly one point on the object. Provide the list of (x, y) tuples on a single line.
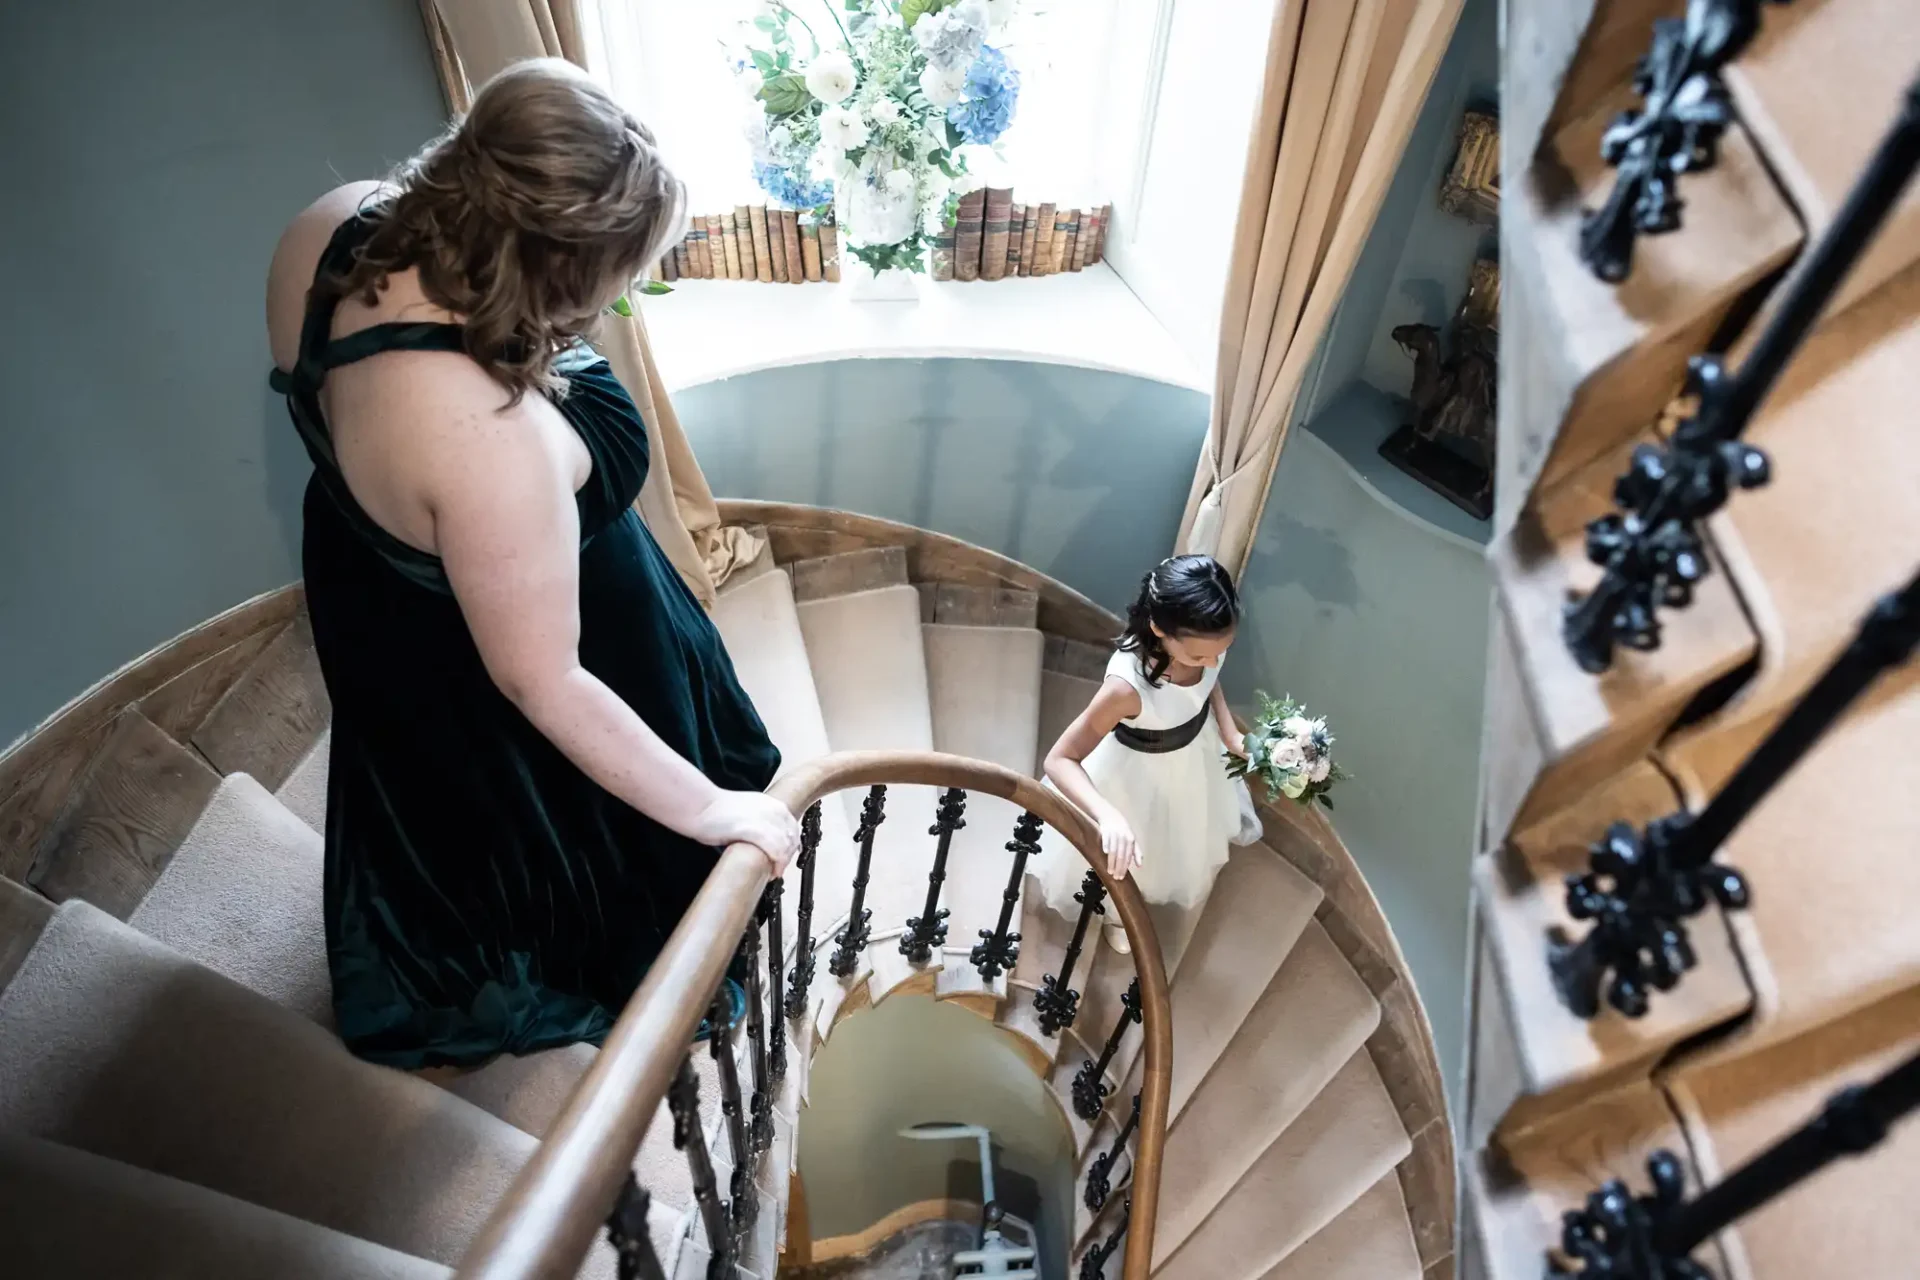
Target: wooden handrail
[(551, 1215)]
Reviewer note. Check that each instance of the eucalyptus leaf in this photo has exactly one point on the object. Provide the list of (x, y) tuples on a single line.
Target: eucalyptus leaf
[(763, 60), (765, 23), (785, 95)]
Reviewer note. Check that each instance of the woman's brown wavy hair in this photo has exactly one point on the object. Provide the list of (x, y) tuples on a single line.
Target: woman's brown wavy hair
[(529, 217)]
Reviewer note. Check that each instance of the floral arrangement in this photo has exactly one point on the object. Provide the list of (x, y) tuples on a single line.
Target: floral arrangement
[(1289, 751), (879, 122)]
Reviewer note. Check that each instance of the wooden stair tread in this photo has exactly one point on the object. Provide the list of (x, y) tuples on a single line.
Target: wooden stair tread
[(849, 573), (139, 799), (273, 713), (957, 604)]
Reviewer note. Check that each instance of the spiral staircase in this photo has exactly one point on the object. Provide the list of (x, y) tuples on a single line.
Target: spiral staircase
[(173, 1103)]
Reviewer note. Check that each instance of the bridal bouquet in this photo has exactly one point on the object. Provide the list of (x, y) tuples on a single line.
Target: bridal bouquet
[(873, 115), (1290, 752)]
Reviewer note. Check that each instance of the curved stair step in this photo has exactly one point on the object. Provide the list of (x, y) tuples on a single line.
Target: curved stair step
[(59, 1199), (305, 790), (1370, 1240), (243, 896), (1348, 1138), (1314, 1016), (869, 666), (1259, 907), (114, 1044)]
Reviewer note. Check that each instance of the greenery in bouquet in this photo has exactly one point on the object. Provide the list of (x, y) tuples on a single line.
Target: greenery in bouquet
[(874, 115), (1291, 752)]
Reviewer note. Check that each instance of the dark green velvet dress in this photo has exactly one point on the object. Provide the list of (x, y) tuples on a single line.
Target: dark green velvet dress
[(484, 896)]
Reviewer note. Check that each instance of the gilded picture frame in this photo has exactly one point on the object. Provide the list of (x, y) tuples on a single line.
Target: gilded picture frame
[(1471, 189)]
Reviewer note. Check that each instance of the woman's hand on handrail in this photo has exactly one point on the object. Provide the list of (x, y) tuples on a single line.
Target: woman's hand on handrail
[(750, 817)]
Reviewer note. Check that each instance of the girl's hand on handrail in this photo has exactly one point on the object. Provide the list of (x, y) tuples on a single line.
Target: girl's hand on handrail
[(750, 817)]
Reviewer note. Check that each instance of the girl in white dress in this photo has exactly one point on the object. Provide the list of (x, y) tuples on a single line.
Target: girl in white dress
[(1146, 759)]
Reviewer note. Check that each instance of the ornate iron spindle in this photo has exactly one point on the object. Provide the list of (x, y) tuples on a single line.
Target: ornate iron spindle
[(1090, 1087), (738, 1143), (1100, 1174), (627, 1233), (1651, 549), (760, 1109), (929, 929), (1684, 110), (802, 982), (769, 914), (998, 949), (683, 1102), (1620, 1236), (853, 938), (1640, 888), (1093, 1264), (1056, 1000)]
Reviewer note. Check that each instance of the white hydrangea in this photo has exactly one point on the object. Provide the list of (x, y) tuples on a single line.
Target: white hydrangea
[(842, 130), (832, 77), (884, 111), (942, 86)]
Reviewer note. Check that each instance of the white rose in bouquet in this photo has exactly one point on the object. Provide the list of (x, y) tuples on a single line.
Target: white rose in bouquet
[(841, 130), (1298, 728), (884, 111), (1318, 771), (942, 87), (831, 78), (1288, 755)]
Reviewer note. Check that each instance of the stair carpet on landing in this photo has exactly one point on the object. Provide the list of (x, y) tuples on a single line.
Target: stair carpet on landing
[(218, 1109)]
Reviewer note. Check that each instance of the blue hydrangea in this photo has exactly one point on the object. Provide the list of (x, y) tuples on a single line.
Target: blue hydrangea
[(792, 187), (986, 104)]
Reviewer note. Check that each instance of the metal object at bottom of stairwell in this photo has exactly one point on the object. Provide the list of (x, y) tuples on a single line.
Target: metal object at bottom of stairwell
[(801, 985), (928, 930), (1057, 1002), (858, 931), (1100, 1173), (1651, 549), (1090, 1087), (1641, 888), (1093, 1264), (999, 948), (627, 1233), (1620, 1236), (716, 1219)]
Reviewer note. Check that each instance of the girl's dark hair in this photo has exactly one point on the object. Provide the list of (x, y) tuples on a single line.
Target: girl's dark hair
[(1183, 596)]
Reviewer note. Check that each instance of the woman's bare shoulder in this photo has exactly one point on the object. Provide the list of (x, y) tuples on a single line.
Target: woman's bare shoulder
[(295, 259)]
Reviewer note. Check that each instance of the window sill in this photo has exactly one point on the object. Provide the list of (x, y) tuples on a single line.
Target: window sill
[(706, 330)]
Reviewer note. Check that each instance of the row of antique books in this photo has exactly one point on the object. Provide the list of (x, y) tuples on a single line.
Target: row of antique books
[(993, 238), (754, 242)]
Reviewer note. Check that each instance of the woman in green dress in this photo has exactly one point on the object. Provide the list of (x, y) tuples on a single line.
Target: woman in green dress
[(539, 742)]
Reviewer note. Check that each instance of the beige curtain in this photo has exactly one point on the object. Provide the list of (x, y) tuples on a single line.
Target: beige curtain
[(473, 39), (1345, 81)]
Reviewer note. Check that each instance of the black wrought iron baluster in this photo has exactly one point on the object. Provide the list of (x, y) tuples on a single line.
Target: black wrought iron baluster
[(998, 949), (1684, 110), (1100, 1173), (853, 938), (802, 982), (716, 1219), (1090, 1087), (1651, 549), (760, 1109), (928, 930), (1093, 1264), (1057, 1001), (769, 914), (1641, 887), (740, 1191), (1620, 1236), (627, 1233)]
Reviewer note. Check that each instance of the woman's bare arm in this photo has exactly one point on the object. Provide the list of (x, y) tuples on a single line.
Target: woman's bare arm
[(499, 485), (1116, 701), (1223, 716)]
